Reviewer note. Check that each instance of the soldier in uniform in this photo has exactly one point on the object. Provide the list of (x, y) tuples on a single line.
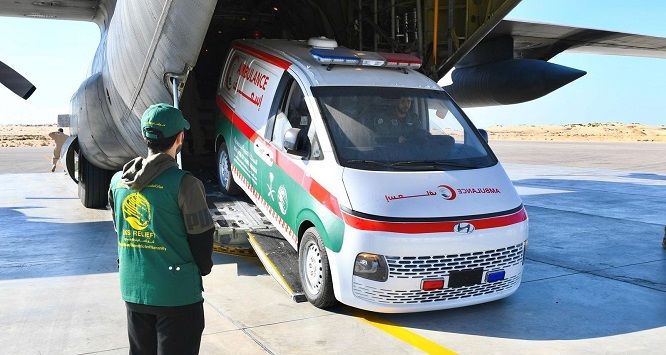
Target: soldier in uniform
[(59, 138)]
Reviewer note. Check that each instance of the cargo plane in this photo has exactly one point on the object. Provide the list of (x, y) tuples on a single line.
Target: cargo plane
[(160, 50)]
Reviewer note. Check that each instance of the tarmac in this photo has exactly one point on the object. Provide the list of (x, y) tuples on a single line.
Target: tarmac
[(594, 280)]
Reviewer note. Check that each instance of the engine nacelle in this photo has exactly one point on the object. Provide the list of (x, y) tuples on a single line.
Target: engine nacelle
[(508, 82), (101, 140)]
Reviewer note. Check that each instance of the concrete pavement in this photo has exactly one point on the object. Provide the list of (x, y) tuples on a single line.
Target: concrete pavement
[(594, 281)]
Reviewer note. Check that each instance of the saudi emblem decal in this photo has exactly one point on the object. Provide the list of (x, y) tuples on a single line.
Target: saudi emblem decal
[(282, 199)]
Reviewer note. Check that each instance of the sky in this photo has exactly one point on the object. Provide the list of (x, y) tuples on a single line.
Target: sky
[(615, 89), (56, 55)]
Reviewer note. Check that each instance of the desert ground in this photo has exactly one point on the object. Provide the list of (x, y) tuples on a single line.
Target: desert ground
[(27, 135), (37, 135), (594, 132)]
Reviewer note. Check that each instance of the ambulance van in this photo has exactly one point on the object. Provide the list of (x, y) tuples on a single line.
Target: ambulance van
[(391, 197)]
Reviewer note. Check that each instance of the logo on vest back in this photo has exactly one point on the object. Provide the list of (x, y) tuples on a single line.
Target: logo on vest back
[(137, 211)]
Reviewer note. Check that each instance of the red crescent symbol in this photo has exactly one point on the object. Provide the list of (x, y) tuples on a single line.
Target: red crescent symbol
[(232, 68), (453, 192)]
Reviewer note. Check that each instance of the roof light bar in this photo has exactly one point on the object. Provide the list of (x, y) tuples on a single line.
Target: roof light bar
[(334, 56), (372, 59), (346, 56), (401, 60)]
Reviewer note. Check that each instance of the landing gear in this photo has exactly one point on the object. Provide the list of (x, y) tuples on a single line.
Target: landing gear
[(93, 184), (314, 270)]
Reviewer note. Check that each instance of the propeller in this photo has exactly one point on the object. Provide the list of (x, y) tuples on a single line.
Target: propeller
[(15, 82)]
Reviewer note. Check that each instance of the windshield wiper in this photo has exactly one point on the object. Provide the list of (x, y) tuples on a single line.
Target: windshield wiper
[(433, 164), (413, 164), (368, 162)]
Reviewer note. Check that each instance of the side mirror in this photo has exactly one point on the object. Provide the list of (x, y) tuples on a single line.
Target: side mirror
[(296, 142), (484, 134)]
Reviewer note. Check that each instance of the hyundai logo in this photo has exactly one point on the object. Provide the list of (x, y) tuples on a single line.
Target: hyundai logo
[(463, 227)]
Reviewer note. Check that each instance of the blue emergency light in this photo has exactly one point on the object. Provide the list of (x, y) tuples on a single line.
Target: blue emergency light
[(347, 56), (335, 56)]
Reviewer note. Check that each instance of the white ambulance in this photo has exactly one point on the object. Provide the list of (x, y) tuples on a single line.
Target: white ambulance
[(390, 195)]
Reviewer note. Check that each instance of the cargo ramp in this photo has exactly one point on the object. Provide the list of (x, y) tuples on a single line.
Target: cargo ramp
[(243, 230)]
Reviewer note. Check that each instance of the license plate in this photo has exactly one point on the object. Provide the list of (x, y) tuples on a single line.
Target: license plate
[(465, 278)]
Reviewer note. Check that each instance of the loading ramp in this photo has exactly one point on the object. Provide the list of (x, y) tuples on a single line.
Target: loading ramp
[(243, 230)]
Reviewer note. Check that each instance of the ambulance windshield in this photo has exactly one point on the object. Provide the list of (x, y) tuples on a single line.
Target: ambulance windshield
[(400, 129)]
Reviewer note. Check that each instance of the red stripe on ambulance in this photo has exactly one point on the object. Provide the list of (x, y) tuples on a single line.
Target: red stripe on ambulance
[(431, 227), (278, 62), (247, 131), (292, 170)]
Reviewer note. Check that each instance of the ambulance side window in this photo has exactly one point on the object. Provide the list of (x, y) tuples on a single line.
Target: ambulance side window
[(293, 113)]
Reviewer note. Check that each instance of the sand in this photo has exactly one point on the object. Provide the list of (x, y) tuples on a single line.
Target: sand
[(595, 132), (37, 135), (27, 135)]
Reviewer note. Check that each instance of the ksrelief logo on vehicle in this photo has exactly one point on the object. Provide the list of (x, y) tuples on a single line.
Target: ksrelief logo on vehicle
[(282, 199)]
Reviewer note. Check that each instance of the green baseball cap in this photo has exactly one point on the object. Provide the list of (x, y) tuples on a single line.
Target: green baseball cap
[(162, 121)]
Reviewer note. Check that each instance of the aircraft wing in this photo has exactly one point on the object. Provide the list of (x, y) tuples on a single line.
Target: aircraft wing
[(543, 41), (510, 65), (77, 10)]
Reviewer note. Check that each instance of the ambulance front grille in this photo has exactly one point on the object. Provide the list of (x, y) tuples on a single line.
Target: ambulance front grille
[(380, 295), (438, 266)]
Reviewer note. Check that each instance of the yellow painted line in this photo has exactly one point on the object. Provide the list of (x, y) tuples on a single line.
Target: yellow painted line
[(272, 269), (409, 337), (234, 251)]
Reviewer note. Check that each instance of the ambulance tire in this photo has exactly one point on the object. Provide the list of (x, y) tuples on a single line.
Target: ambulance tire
[(314, 270), (227, 184), (93, 184)]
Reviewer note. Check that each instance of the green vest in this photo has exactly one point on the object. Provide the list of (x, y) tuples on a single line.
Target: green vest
[(156, 265)]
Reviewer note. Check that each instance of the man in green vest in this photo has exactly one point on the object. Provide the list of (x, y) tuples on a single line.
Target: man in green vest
[(165, 240)]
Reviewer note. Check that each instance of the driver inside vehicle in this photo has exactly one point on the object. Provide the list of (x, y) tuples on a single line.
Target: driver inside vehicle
[(399, 124)]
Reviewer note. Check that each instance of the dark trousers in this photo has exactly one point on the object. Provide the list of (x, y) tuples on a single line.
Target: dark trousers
[(165, 330)]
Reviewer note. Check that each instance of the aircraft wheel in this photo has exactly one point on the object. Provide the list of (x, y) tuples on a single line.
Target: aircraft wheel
[(314, 271), (93, 184), (227, 183)]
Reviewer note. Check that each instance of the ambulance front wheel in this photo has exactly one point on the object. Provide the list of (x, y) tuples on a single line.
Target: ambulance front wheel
[(314, 270), (227, 183)]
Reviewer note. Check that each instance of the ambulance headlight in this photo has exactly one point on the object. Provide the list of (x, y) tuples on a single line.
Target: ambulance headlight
[(371, 267)]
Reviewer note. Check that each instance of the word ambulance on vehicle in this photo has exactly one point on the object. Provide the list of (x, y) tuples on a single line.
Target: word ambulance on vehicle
[(390, 195)]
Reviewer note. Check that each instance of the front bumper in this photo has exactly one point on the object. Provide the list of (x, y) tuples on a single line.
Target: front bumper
[(411, 259)]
